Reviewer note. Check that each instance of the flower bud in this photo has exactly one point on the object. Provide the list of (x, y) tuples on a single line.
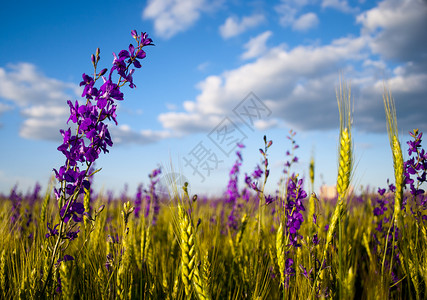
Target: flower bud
[(134, 34), (103, 71), (92, 58), (97, 52), (101, 208)]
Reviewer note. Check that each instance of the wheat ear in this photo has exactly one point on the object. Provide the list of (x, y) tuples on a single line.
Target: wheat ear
[(3, 273), (396, 150), (345, 166), (280, 248), (345, 158), (189, 269)]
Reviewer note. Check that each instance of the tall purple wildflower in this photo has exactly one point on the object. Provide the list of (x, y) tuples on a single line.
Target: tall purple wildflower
[(16, 200), (92, 135), (232, 193), (152, 198), (232, 187), (83, 147), (138, 200)]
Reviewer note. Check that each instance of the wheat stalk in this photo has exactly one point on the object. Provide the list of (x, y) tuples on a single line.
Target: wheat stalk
[(189, 269), (280, 248), (392, 131)]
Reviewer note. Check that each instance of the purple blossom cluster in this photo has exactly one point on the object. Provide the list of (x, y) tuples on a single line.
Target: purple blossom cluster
[(415, 172), (293, 208), (386, 232), (92, 134), (91, 137)]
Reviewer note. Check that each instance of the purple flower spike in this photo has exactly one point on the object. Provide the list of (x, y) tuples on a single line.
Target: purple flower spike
[(91, 137), (294, 219)]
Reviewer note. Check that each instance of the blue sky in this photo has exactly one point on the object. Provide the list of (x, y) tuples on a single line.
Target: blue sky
[(212, 59)]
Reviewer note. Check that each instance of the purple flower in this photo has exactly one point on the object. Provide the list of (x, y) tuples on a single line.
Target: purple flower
[(257, 173), (88, 82), (315, 240), (304, 273), (83, 147), (269, 199), (52, 231), (289, 271), (65, 258), (73, 211), (293, 207), (415, 168), (71, 235)]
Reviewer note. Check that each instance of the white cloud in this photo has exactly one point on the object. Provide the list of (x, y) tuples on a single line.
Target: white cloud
[(305, 22), (42, 103), (42, 100), (43, 128), (256, 46), (44, 122), (182, 123), (266, 124), (40, 111), (189, 106), (24, 85), (379, 64), (289, 11), (173, 16), (296, 84), (341, 5), (398, 30), (233, 27)]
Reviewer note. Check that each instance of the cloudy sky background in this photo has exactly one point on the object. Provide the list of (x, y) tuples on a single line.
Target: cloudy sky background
[(209, 56)]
